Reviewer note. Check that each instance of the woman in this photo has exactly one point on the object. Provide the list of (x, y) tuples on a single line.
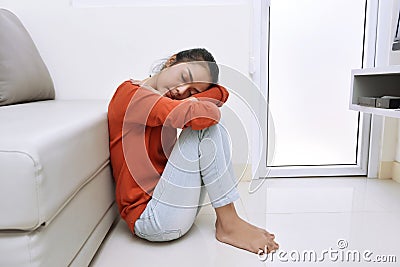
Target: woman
[(160, 180)]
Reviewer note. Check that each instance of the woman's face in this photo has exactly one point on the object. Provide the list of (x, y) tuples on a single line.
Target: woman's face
[(183, 80)]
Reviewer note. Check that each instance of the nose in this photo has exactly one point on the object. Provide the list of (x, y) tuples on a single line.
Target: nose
[(180, 90)]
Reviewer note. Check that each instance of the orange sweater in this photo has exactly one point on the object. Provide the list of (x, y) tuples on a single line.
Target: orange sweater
[(142, 127)]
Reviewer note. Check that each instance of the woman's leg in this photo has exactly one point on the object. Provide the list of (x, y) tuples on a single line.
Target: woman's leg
[(199, 162), (198, 156), (217, 174)]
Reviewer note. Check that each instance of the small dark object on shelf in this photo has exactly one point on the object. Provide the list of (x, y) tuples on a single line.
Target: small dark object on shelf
[(391, 102), (367, 101)]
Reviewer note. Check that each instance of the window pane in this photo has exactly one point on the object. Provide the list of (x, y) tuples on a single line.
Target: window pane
[(314, 45)]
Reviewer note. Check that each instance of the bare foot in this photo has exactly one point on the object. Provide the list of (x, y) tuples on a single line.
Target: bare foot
[(244, 235)]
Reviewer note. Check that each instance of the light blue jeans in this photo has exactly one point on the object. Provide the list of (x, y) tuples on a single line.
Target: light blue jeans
[(200, 163)]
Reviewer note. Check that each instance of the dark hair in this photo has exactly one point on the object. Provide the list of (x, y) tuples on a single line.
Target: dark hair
[(193, 55)]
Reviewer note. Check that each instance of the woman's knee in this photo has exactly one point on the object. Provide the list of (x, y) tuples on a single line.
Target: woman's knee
[(215, 131)]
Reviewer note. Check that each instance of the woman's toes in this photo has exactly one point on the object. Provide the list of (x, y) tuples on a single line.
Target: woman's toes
[(268, 235)]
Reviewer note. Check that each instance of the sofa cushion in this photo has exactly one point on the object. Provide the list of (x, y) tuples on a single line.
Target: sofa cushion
[(48, 151), (23, 75)]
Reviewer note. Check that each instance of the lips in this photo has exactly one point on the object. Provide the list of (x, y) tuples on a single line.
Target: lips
[(170, 95)]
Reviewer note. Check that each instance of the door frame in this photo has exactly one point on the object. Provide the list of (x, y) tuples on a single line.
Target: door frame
[(370, 127)]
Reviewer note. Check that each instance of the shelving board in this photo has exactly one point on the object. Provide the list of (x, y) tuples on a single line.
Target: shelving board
[(375, 82)]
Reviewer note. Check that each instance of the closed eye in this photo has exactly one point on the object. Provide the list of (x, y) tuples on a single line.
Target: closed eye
[(194, 91), (183, 78), (186, 79)]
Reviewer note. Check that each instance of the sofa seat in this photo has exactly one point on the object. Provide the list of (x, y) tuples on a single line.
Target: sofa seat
[(56, 182)]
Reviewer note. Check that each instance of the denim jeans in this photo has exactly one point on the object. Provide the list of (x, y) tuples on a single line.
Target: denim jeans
[(200, 163)]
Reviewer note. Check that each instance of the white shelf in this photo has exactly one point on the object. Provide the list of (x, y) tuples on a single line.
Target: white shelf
[(375, 82)]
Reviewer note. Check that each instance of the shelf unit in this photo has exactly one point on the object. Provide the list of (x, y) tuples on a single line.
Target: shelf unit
[(375, 82)]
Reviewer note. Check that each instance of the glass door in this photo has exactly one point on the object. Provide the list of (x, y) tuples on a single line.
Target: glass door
[(313, 45)]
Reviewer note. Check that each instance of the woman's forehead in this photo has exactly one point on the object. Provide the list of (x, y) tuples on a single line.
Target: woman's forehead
[(196, 71)]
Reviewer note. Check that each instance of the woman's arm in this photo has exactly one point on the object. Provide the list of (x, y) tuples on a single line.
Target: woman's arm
[(217, 94), (151, 109)]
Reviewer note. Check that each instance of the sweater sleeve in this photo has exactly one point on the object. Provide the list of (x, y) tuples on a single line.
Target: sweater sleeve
[(151, 109), (217, 94)]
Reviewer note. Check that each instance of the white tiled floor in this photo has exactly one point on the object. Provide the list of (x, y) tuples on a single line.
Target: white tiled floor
[(304, 213)]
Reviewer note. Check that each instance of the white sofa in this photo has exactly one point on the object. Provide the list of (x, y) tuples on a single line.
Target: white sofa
[(56, 187)]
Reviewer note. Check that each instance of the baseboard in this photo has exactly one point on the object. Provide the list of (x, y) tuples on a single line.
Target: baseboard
[(385, 170), (396, 171), (389, 170), (242, 171)]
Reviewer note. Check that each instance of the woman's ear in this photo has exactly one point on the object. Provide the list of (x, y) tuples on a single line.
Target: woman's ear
[(171, 61)]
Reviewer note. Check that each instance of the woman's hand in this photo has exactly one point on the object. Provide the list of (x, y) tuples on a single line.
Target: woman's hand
[(136, 82), (191, 98)]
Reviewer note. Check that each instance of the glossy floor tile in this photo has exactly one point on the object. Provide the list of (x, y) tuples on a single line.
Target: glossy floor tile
[(317, 222)]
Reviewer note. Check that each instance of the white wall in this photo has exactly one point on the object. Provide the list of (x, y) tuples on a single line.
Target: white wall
[(394, 59), (391, 132), (90, 51)]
